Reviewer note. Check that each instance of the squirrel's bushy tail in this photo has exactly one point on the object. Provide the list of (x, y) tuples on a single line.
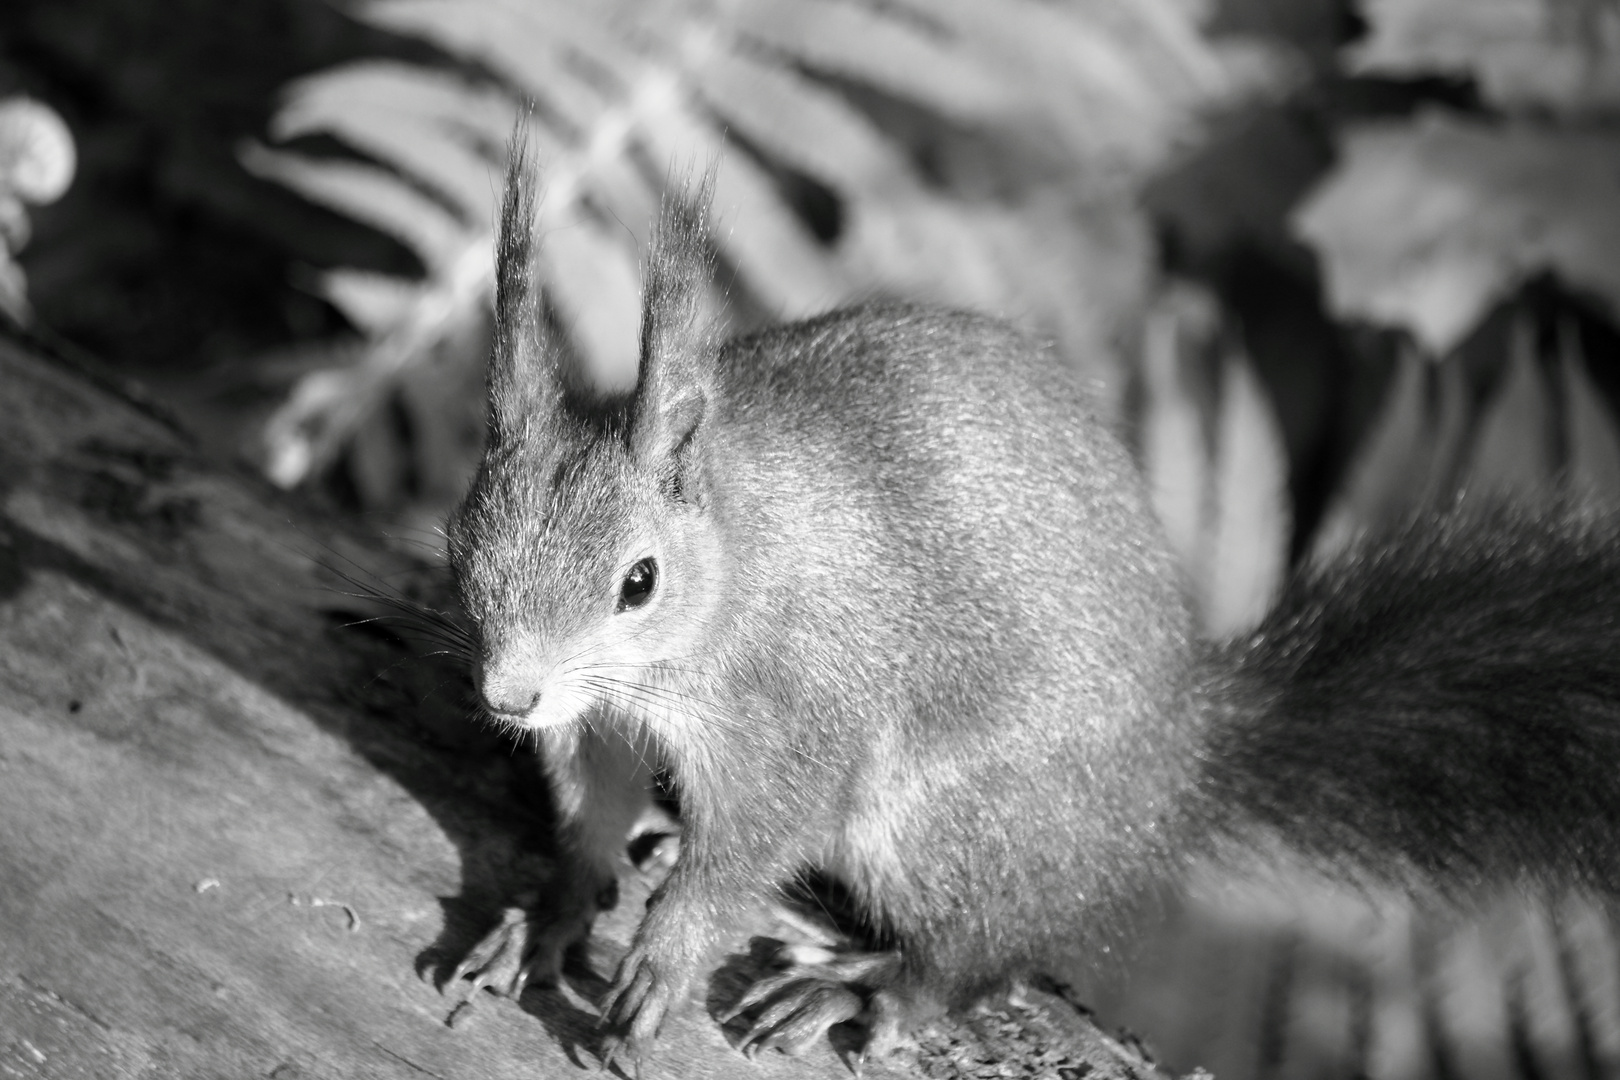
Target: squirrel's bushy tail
[(1441, 707)]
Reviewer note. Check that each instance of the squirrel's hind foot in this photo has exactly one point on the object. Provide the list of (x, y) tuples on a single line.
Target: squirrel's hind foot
[(817, 988)]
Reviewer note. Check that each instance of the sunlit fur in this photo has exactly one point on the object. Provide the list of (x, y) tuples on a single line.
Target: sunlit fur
[(570, 495), (900, 568), (916, 626), (541, 548)]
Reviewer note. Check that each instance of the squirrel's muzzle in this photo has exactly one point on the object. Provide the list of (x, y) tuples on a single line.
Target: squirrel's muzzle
[(505, 694)]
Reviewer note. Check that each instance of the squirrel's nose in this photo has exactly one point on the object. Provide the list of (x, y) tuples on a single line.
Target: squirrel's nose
[(512, 704), (503, 695)]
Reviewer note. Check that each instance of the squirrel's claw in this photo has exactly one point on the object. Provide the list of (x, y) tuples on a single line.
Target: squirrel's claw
[(500, 961), (800, 1015), (634, 1010), (524, 947), (803, 1001), (761, 991), (617, 1052)]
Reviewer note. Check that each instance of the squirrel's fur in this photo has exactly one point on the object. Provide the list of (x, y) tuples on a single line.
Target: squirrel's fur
[(1440, 707), (914, 625)]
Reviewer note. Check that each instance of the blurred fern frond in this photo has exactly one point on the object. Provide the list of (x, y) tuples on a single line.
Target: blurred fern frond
[(1524, 54), (973, 153), (1427, 223), (1213, 455)]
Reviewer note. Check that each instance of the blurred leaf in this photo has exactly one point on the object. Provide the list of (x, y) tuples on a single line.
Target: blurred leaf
[(860, 43), (13, 291), (369, 194), (378, 465), (327, 407), (1250, 532), (1588, 927), (417, 95), (1593, 468), (444, 402), (1432, 443), (1410, 458), (1236, 188), (1563, 54), (629, 96), (1399, 447), (1314, 28), (437, 129), (1216, 465), (773, 252), (597, 289), (1515, 447), (372, 302), (805, 125), (1425, 225), (1117, 82), (1175, 450)]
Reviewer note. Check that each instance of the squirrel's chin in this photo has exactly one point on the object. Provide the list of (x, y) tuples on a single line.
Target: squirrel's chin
[(543, 717)]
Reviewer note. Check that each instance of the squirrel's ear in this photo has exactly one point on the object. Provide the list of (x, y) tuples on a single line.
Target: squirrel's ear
[(523, 377), (675, 386)]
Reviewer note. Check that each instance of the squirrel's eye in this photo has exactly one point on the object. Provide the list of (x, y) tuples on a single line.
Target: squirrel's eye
[(637, 587)]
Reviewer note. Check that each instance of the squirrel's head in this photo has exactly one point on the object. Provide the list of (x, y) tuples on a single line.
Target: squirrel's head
[(585, 551)]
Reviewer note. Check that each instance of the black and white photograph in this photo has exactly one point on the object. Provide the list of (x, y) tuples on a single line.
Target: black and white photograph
[(949, 539)]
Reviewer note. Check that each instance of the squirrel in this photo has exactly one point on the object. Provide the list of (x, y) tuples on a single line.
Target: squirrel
[(883, 598)]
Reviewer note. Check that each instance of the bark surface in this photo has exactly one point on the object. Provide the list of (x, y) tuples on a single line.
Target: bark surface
[(243, 837)]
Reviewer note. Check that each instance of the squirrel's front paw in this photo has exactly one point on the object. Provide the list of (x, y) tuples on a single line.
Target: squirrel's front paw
[(524, 947), (643, 994)]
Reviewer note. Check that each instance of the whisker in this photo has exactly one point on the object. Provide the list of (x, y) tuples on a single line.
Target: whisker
[(716, 719), (616, 698), (406, 618), (634, 693), (426, 646), (424, 620), (662, 695), (391, 596)]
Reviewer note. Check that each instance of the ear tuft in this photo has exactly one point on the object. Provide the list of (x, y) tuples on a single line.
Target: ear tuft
[(675, 381), (522, 376), (679, 267)]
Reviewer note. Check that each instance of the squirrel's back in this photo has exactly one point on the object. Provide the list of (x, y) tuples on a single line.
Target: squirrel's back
[(951, 437), (944, 475)]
